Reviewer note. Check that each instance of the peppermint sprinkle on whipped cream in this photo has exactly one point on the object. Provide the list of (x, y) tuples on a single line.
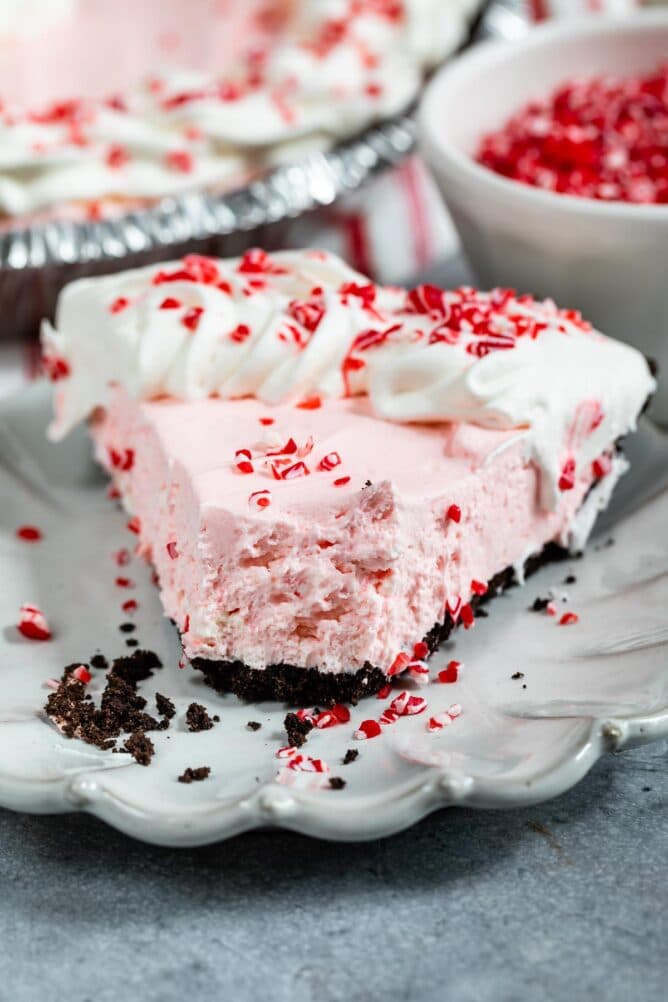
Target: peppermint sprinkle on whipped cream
[(302, 325), (340, 65)]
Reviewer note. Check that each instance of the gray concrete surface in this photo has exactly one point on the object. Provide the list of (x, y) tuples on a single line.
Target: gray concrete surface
[(564, 901)]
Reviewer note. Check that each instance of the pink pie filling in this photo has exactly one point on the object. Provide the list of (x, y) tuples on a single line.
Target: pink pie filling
[(325, 576)]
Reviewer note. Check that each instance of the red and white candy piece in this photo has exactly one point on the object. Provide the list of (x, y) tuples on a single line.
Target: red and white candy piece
[(399, 665), (121, 459), (32, 623), (242, 460), (304, 763), (602, 466), (329, 462), (338, 714), (453, 513), (406, 705), (567, 476), (466, 616), (29, 533), (259, 500), (419, 672), (450, 673), (367, 729), (81, 674), (441, 720)]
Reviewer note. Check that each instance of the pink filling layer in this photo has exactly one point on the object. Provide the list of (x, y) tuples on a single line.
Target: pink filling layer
[(329, 577)]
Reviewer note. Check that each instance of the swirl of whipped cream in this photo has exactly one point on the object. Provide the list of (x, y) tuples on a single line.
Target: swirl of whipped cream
[(343, 65), (295, 324), (25, 17)]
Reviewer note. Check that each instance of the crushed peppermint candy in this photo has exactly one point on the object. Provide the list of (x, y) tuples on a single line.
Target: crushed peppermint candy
[(420, 650), (569, 619), (329, 462), (454, 513), (29, 533), (567, 476), (602, 466), (368, 729), (337, 714), (441, 720), (310, 404), (192, 317), (407, 705), (305, 763), (81, 674), (604, 138), (243, 461), (399, 665), (467, 617), (259, 500), (450, 673), (121, 459), (419, 672), (32, 623)]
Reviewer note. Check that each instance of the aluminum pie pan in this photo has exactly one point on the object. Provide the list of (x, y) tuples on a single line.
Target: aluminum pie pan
[(37, 260), (285, 192)]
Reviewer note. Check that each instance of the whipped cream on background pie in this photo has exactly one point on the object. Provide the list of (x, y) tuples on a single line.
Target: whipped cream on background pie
[(119, 104)]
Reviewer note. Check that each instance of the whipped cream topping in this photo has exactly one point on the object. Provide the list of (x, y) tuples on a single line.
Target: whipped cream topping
[(299, 326), (342, 65), (26, 17)]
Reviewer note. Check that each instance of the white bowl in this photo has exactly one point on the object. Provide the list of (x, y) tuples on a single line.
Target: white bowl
[(609, 260)]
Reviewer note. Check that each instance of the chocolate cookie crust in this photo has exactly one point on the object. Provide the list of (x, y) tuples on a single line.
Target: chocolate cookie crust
[(305, 686)]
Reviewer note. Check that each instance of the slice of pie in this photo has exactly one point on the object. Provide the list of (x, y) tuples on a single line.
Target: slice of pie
[(329, 475)]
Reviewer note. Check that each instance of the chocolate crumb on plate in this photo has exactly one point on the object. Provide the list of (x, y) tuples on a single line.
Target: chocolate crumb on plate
[(164, 705), (517, 674), (197, 718), (99, 661), (253, 725), (570, 579), (539, 605), (191, 775), (140, 747), (121, 709), (132, 642), (127, 627), (337, 783), (296, 729), (350, 756)]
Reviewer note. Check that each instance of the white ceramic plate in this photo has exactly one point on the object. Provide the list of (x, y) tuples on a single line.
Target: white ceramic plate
[(597, 685)]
